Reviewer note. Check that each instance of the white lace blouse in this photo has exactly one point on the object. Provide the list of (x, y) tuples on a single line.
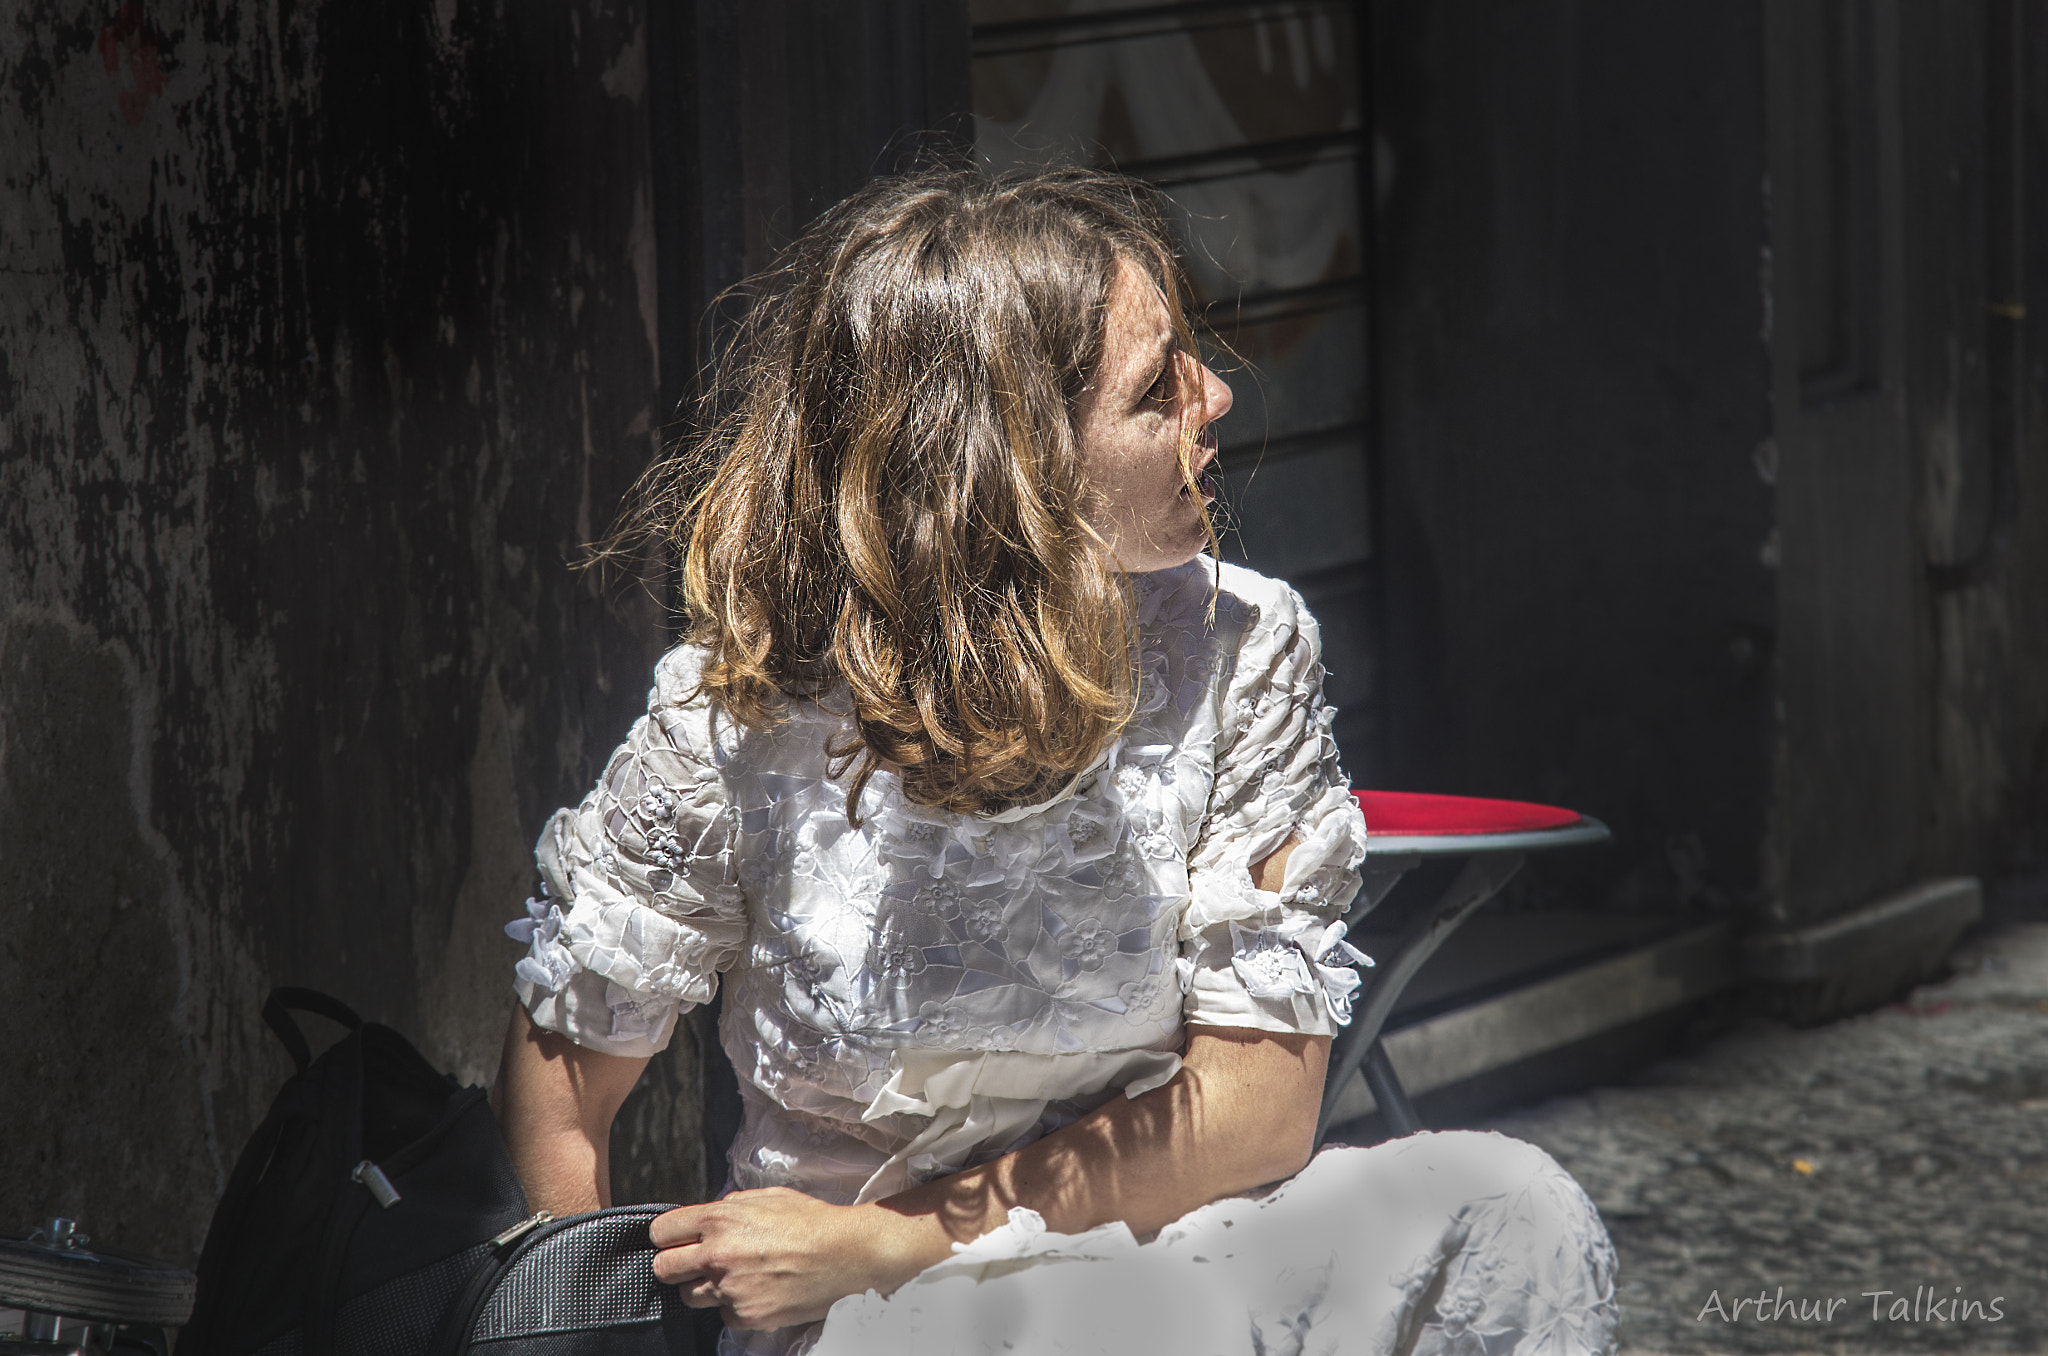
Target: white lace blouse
[(931, 989)]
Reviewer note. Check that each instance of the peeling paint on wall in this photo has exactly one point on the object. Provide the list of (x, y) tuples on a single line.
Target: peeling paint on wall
[(325, 341), (105, 960)]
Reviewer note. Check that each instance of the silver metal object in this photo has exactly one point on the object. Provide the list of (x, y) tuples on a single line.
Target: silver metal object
[(61, 1297), (381, 1190), (521, 1229), (63, 1233)]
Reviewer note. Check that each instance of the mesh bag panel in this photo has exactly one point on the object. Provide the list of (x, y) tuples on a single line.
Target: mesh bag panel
[(598, 1274)]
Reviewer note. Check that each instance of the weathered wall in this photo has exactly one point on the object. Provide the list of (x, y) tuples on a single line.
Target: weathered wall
[(1574, 389), (1982, 503), (327, 333)]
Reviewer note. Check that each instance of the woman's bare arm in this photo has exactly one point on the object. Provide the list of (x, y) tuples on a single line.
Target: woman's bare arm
[(555, 1102)]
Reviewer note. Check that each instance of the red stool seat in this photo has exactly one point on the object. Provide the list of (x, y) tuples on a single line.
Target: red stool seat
[(1414, 814)]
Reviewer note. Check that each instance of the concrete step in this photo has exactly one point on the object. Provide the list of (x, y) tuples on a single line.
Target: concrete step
[(1522, 986)]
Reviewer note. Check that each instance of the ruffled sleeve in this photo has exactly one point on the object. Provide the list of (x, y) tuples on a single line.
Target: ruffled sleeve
[(1274, 960), (639, 910)]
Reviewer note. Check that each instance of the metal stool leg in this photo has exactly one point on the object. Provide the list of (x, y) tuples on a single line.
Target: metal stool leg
[(1480, 879), (1392, 1099)]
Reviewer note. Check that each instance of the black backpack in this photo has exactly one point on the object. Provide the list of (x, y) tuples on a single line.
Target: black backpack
[(375, 1212)]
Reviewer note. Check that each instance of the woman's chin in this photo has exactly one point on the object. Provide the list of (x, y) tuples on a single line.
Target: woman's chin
[(1183, 535), (1151, 562)]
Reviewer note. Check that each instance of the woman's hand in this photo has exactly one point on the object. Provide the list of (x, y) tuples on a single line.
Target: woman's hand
[(771, 1258)]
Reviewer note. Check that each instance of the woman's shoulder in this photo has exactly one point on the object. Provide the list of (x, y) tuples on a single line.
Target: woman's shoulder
[(1267, 598), (698, 726), (1255, 611), (678, 678), (1234, 594), (679, 688), (688, 719), (1277, 644), (1213, 625)]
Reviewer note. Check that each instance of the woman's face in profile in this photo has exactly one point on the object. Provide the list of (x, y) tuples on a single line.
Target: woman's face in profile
[(1130, 422)]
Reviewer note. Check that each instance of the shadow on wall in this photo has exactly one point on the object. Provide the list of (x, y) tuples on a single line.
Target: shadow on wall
[(91, 962), (327, 335)]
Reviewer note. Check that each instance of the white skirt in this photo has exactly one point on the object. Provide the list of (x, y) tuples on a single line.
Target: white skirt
[(1453, 1244)]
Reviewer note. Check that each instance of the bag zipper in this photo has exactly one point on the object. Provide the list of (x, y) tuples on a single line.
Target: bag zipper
[(513, 1234)]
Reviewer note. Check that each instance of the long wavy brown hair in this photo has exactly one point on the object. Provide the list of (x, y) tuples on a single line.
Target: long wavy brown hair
[(884, 505)]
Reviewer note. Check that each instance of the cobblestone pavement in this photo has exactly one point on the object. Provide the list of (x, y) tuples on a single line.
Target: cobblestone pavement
[(1905, 1151)]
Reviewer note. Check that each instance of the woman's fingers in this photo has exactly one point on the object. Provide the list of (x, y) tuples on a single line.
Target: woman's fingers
[(683, 1259), (766, 1258), (684, 1224), (681, 1264), (688, 1269), (685, 1268)]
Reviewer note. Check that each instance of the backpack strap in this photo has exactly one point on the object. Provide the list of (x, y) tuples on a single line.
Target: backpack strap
[(285, 1000)]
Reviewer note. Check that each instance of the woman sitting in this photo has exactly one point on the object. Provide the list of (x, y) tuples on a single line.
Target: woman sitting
[(1013, 824)]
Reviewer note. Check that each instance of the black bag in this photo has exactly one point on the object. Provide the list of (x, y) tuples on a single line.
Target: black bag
[(579, 1286), (375, 1212)]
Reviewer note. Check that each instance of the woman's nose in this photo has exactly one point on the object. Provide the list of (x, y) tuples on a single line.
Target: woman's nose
[(1216, 397)]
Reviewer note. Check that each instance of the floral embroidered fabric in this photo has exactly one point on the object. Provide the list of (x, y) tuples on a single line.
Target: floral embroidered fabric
[(931, 989)]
